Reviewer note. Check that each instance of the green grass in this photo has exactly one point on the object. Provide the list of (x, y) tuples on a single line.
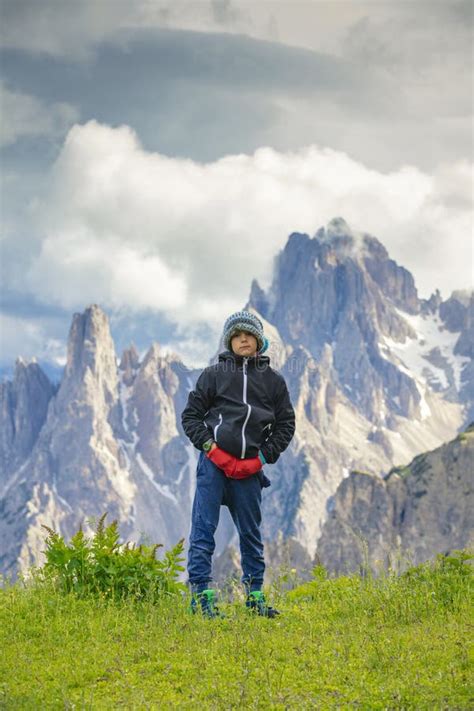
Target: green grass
[(351, 642)]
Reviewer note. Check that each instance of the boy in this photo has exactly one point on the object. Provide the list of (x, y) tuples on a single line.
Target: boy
[(240, 417)]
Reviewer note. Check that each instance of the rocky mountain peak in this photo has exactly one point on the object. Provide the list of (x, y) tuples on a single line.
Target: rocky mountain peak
[(130, 358), (431, 305), (319, 281), (90, 377), (258, 300), (341, 288), (339, 238), (23, 407), (29, 374), (457, 312), (129, 364), (338, 227), (20, 361), (152, 356), (90, 343)]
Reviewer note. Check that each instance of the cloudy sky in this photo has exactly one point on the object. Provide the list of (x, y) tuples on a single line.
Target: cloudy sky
[(156, 154)]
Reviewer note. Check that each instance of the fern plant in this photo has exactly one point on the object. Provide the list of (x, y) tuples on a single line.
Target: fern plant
[(101, 566)]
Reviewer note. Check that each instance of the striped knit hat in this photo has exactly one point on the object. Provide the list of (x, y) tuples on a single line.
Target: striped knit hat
[(244, 321)]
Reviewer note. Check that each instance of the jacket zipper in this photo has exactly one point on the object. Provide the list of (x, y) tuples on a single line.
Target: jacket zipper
[(249, 410), (217, 426)]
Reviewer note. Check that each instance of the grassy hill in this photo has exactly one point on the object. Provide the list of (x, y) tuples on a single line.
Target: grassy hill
[(395, 642)]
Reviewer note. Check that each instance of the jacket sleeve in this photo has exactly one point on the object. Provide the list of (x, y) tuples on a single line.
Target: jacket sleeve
[(284, 427), (199, 402)]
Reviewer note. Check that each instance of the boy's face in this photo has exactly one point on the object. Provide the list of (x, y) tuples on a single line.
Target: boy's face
[(244, 344)]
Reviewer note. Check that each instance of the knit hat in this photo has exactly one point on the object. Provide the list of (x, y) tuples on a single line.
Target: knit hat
[(244, 321)]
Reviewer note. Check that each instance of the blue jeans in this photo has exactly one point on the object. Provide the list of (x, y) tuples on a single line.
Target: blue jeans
[(243, 497)]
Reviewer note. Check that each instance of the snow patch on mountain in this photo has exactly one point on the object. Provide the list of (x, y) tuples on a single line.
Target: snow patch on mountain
[(125, 392), (430, 356)]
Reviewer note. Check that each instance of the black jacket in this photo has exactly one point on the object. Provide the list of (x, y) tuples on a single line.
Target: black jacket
[(244, 405)]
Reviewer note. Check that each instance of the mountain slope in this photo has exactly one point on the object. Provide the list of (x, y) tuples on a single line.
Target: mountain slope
[(413, 513)]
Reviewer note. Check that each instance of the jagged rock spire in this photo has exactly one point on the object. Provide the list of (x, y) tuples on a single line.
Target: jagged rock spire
[(130, 358), (23, 407), (90, 343)]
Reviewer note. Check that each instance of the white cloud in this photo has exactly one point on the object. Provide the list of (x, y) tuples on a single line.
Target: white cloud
[(111, 272), (132, 229), (29, 339), (24, 115)]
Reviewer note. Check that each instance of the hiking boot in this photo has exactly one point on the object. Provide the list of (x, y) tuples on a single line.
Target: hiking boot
[(257, 604), (205, 601)]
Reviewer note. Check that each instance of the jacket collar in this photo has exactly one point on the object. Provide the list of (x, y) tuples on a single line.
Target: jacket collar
[(231, 356)]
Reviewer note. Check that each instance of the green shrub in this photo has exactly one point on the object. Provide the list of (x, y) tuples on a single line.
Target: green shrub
[(102, 567)]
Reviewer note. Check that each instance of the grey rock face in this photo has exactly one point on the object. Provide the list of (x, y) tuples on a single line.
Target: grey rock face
[(394, 281), (23, 407), (464, 323), (458, 315), (414, 513)]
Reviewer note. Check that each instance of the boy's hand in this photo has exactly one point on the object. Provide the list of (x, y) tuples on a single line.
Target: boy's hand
[(247, 467), (223, 460), (232, 467)]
